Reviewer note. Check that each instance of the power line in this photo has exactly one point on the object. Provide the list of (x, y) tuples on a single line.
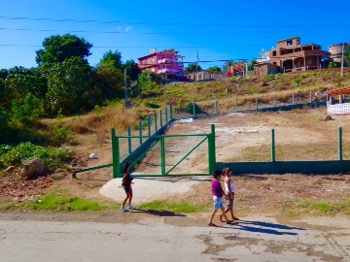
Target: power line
[(235, 25)]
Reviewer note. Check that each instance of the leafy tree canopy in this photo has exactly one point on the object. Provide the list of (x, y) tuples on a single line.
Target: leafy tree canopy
[(133, 70), (191, 68), (214, 69), (111, 58), (58, 48)]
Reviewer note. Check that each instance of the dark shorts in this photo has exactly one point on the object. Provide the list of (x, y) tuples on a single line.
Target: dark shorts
[(127, 189), (230, 204)]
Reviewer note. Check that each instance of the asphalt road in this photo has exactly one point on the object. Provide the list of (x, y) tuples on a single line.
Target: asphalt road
[(158, 239)]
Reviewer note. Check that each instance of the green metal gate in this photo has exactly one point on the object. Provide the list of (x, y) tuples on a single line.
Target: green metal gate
[(156, 150)]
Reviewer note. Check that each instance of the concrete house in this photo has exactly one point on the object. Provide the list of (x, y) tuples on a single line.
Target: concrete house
[(292, 56), (165, 63)]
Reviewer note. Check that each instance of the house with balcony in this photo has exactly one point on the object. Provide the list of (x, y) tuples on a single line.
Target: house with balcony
[(167, 63), (292, 56)]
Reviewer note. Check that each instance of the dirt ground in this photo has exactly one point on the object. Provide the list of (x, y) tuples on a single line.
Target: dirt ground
[(256, 194)]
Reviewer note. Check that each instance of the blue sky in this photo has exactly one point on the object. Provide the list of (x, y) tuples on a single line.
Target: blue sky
[(221, 30)]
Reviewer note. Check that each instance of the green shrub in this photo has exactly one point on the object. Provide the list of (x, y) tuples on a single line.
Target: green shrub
[(52, 156), (297, 81), (63, 132)]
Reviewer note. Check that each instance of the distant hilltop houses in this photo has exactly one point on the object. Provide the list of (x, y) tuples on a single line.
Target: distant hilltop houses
[(290, 55)]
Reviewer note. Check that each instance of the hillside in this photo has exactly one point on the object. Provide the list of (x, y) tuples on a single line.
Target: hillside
[(91, 131)]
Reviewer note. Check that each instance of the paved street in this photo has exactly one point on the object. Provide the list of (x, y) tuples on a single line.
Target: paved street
[(155, 239)]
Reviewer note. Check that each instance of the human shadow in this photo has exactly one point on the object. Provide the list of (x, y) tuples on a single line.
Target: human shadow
[(162, 213), (267, 228)]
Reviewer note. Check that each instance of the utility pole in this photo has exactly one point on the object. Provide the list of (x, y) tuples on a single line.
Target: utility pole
[(197, 67), (342, 61), (126, 88)]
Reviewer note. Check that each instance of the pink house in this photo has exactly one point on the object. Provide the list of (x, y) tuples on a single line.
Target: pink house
[(165, 63)]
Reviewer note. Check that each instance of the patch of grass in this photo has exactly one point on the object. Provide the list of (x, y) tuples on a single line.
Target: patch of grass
[(59, 201), (323, 207), (176, 207)]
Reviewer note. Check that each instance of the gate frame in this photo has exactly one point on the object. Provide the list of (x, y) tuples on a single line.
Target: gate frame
[(117, 164)]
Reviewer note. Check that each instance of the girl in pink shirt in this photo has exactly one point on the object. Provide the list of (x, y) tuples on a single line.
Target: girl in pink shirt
[(218, 193)]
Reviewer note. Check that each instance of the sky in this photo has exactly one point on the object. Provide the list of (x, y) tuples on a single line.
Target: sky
[(208, 31)]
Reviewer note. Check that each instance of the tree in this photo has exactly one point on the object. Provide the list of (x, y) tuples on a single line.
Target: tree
[(59, 48), (112, 59), (214, 69), (191, 68), (252, 64), (148, 81), (133, 70), (69, 84), (108, 83)]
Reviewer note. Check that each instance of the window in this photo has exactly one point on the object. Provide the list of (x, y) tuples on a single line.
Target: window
[(289, 42), (274, 53)]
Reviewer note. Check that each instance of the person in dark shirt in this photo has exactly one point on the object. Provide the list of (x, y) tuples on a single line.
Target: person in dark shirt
[(218, 193), (126, 183)]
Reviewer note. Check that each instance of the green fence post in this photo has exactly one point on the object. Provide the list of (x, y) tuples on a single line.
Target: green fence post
[(129, 139), (115, 154), (161, 118), (216, 107), (273, 152), (156, 122), (162, 156), (211, 150), (193, 109), (166, 115), (140, 127), (149, 121), (257, 103), (171, 112), (340, 144)]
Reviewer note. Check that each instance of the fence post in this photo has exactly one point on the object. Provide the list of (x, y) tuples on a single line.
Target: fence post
[(140, 127), (171, 112), (129, 139), (156, 122), (193, 109), (161, 118), (257, 103), (273, 152), (149, 120), (310, 98), (236, 106), (293, 99), (162, 155), (166, 115), (211, 150), (216, 107), (115, 154), (275, 101), (340, 144)]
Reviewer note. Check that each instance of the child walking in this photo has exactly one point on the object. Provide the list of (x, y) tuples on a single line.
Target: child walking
[(218, 193), (127, 179), (230, 192)]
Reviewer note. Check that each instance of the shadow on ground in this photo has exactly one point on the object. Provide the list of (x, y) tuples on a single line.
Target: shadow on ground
[(158, 213)]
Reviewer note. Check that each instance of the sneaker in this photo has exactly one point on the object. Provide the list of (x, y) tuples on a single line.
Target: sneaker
[(131, 207), (124, 209)]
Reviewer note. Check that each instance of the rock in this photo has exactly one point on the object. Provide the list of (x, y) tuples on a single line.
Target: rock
[(325, 118), (32, 168), (9, 169), (93, 156)]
